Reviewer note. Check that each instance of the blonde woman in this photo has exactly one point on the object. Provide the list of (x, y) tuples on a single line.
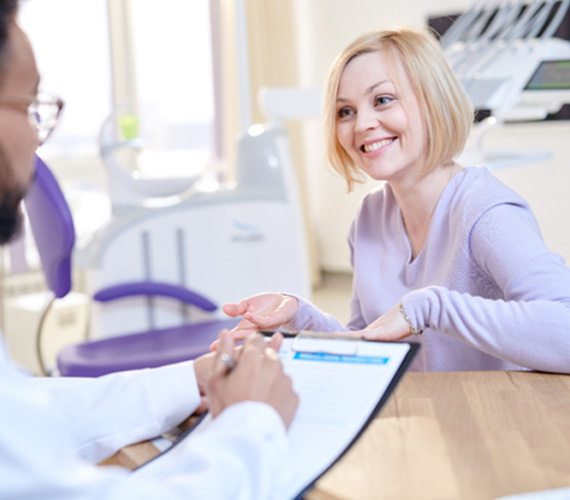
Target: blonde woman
[(440, 251)]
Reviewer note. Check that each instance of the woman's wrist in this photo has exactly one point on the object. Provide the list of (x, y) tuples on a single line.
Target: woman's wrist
[(412, 329)]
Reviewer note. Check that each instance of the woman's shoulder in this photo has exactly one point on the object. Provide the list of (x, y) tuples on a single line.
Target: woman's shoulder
[(479, 190), (380, 196), (376, 209)]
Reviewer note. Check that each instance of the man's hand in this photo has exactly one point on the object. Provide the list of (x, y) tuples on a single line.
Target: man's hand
[(258, 376)]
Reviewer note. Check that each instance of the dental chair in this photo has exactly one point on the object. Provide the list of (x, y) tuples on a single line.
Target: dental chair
[(52, 227)]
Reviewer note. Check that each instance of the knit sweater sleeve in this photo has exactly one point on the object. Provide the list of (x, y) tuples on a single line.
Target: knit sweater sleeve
[(310, 317), (530, 325)]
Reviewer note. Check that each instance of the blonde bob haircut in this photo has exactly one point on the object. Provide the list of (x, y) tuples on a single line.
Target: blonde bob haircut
[(415, 56)]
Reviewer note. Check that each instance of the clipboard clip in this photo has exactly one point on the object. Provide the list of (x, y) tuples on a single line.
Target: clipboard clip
[(342, 343)]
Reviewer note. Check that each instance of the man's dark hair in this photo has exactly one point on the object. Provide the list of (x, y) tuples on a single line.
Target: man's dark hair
[(10, 213), (7, 12)]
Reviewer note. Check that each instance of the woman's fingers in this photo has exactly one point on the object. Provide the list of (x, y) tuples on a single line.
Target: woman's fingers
[(238, 334), (235, 309), (371, 335), (263, 321)]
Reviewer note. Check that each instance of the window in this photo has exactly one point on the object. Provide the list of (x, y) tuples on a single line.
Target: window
[(72, 51), (169, 49), (173, 71)]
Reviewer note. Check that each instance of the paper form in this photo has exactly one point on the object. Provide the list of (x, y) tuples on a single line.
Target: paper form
[(340, 384), (338, 392)]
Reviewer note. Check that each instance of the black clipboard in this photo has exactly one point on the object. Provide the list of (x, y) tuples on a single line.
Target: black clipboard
[(402, 368), (414, 348)]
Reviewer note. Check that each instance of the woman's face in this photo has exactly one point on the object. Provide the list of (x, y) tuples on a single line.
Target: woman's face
[(383, 138)]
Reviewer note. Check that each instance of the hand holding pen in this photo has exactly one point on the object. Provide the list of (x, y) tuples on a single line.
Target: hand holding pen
[(252, 372)]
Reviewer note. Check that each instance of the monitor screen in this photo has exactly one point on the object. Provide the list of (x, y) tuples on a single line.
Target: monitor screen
[(550, 75)]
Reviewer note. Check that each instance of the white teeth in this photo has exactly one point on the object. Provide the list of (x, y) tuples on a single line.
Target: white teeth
[(375, 146)]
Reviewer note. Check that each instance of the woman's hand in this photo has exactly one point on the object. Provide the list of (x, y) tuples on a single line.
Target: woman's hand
[(391, 326), (266, 311)]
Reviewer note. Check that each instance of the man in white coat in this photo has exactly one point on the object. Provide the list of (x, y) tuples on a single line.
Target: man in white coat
[(53, 431)]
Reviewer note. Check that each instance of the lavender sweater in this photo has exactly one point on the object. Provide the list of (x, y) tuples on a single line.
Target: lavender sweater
[(485, 289)]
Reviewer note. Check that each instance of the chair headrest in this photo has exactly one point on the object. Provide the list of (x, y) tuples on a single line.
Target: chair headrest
[(52, 226)]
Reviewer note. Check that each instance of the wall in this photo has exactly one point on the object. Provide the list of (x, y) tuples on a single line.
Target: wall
[(544, 184), (324, 28)]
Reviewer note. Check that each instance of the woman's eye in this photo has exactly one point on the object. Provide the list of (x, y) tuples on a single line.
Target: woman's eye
[(344, 112), (382, 100)]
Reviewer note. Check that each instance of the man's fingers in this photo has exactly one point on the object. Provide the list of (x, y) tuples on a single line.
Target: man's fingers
[(276, 341), (214, 345), (271, 353), (224, 353), (237, 334), (245, 328), (257, 341)]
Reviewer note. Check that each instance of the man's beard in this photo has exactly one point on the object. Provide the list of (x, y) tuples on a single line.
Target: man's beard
[(10, 215), (11, 196)]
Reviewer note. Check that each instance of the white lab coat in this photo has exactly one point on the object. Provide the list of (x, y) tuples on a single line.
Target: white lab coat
[(52, 431)]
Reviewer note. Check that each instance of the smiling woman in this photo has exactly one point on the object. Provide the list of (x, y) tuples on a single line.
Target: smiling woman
[(438, 107), (374, 129), (441, 251)]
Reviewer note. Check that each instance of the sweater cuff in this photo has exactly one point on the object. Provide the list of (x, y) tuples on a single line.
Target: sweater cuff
[(302, 316), (419, 306), (310, 317)]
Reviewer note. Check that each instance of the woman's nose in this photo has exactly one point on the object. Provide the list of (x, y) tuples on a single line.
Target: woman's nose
[(366, 119)]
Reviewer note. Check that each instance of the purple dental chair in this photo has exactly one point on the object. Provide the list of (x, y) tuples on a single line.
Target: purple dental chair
[(52, 226)]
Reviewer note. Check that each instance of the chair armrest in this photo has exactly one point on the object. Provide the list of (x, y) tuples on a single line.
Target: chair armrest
[(154, 288)]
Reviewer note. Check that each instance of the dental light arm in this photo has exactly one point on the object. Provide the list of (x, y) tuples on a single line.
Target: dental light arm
[(497, 48)]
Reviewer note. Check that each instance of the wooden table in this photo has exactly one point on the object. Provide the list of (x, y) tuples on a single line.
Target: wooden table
[(454, 435)]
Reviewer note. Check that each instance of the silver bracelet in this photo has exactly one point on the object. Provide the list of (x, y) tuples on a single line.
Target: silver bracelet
[(413, 330)]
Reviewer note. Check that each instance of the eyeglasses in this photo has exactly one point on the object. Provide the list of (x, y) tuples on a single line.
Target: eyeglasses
[(43, 111)]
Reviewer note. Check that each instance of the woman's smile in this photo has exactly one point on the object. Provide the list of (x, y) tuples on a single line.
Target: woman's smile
[(382, 136)]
